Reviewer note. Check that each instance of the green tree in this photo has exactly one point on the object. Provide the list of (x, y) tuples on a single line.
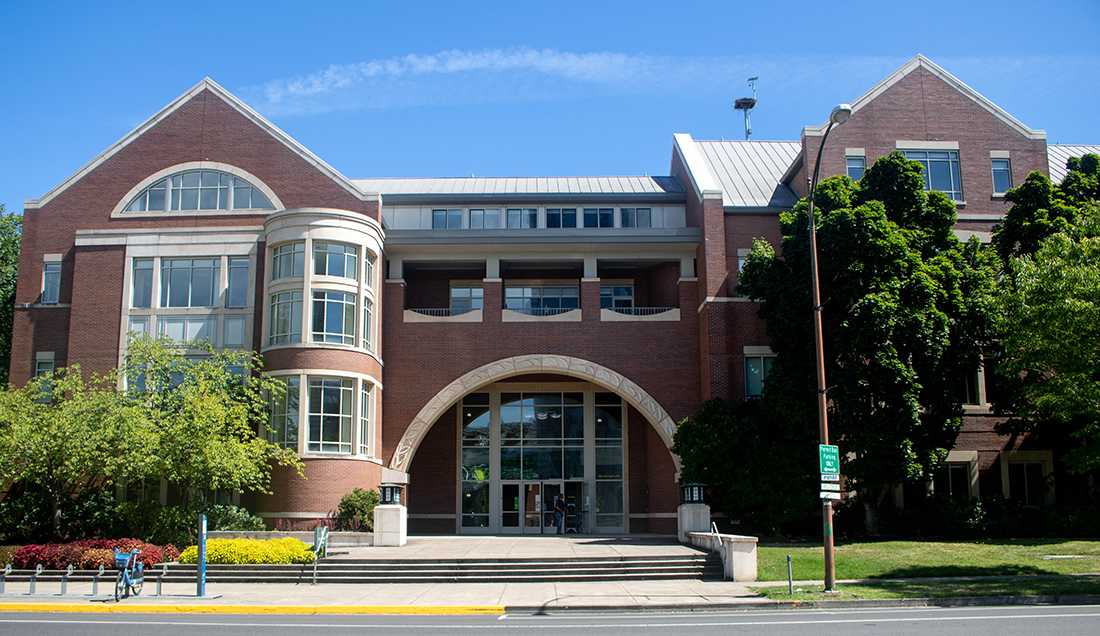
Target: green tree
[(209, 410), (69, 435), (907, 313), (1050, 356), (1041, 208), (11, 231)]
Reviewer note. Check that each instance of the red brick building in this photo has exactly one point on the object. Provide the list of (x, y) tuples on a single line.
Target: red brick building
[(494, 341)]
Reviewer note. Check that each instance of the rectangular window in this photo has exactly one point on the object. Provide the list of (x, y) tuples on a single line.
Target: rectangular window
[(142, 283), (188, 282), (286, 318), (561, 217), (139, 326), (856, 167), (334, 317), (616, 296), (237, 295), (636, 217), (757, 369), (1002, 176), (233, 336), (523, 218), (335, 259), (284, 414), (366, 420), (542, 300), (941, 171), (952, 481), (971, 392), (330, 415), (465, 299), (447, 219), (288, 260), (368, 273), (609, 460), (368, 324), (599, 217), (51, 283), (187, 329), (485, 219), (1026, 482), (44, 363)]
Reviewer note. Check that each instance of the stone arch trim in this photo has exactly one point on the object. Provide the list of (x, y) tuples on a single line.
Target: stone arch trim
[(597, 374)]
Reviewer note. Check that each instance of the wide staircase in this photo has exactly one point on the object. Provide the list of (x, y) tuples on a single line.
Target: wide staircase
[(465, 570)]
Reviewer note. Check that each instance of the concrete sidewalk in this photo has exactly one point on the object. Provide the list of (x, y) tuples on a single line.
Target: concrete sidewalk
[(447, 548), (610, 594)]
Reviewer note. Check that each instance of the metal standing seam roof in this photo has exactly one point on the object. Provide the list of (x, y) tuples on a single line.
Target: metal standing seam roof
[(1057, 154), (751, 172), (520, 185)]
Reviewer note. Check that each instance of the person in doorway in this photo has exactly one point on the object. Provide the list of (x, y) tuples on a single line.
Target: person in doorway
[(559, 514)]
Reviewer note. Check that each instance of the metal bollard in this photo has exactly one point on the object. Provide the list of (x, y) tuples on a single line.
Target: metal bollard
[(7, 571), (34, 578), (95, 581), (163, 573), (65, 579), (790, 576)]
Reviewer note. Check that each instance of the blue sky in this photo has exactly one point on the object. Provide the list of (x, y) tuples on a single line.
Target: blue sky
[(513, 88)]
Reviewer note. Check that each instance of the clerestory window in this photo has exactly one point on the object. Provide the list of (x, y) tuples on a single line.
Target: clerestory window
[(194, 190)]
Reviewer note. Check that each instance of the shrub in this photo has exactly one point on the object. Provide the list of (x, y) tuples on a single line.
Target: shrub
[(95, 557), (58, 556), (7, 552), (233, 518), (250, 551), (356, 510)]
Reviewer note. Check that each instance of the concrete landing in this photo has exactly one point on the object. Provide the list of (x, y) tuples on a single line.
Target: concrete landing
[(541, 547)]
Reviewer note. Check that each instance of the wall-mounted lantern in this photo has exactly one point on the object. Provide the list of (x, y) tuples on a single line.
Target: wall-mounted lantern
[(692, 493), (391, 494)]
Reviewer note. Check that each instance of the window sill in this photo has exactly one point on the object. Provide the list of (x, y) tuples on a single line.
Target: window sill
[(411, 315), (998, 196), (510, 315), (977, 409), (341, 456), (44, 306)]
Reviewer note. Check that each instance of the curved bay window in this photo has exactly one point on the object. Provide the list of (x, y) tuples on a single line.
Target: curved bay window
[(330, 415), (334, 317), (335, 259)]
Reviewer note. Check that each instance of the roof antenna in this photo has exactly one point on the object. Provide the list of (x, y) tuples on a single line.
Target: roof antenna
[(747, 104)]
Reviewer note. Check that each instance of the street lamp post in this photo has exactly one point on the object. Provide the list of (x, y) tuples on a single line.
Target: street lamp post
[(839, 115)]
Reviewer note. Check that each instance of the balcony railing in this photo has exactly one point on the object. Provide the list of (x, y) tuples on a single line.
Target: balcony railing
[(640, 311), (442, 314), (541, 311), (439, 311)]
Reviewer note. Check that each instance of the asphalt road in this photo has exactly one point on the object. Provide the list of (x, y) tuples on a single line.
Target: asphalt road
[(974, 621)]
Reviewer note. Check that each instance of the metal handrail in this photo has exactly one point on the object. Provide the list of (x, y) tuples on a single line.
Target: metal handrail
[(542, 311), (640, 311), (441, 312)]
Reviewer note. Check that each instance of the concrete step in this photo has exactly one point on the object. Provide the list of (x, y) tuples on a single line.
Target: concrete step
[(326, 565)]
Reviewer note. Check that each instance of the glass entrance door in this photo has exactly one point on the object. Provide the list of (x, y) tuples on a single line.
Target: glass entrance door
[(532, 508), (550, 492)]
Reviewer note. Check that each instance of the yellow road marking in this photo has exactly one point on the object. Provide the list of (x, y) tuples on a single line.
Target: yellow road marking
[(191, 608)]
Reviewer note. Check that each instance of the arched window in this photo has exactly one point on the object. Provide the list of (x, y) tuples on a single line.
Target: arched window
[(200, 190)]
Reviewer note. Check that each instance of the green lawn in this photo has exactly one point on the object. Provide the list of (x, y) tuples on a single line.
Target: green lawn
[(940, 589), (907, 559)]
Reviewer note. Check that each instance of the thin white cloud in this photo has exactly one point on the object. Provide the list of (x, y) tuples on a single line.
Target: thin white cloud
[(530, 74)]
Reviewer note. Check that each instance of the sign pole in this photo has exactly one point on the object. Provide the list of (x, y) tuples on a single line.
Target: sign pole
[(200, 576)]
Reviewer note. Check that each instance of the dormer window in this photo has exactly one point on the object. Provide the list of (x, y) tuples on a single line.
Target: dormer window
[(194, 190)]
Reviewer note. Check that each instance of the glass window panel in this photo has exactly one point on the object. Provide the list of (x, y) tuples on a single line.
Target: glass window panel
[(856, 167), (754, 376), (234, 331), (607, 217), (288, 260), (609, 497), (142, 283), (609, 462), (574, 422), (542, 463), (553, 217), (157, 199), (645, 218), (574, 463), (477, 219), (286, 317), (210, 179), (454, 219), (223, 199), (190, 179), (475, 425), (237, 295), (591, 217), (569, 217), (475, 498), (139, 326), (609, 422), (940, 175), (242, 198), (1002, 176), (439, 219), (492, 219), (475, 464), (260, 200), (510, 463), (189, 199)]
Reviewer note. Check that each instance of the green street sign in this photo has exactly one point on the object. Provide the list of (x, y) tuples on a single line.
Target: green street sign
[(830, 459)]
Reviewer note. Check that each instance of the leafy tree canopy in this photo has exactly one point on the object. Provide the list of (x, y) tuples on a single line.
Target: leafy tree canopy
[(11, 231), (907, 311)]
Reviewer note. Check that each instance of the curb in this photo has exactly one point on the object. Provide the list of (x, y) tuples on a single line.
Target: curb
[(190, 608)]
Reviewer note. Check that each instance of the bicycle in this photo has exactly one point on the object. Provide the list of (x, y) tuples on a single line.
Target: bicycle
[(131, 574)]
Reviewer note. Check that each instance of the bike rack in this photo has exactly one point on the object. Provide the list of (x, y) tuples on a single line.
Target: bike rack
[(95, 581), (65, 579), (7, 572), (34, 579)]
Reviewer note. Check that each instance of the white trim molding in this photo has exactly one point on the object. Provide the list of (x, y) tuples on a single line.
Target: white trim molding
[(919, 144), (920, 61), (120, 213), (232, 100), (855, 152), (702, 180), (999, 154)]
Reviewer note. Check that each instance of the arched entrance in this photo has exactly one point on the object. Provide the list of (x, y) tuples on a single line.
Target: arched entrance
[(597, 374)]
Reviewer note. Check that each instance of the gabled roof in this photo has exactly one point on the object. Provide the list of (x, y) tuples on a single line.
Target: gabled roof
[(921, 61), (748, 174), (1057, 154), (520, 185), (205, 84)]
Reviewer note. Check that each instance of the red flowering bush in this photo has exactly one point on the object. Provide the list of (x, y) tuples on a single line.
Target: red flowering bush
[(58, 556)]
